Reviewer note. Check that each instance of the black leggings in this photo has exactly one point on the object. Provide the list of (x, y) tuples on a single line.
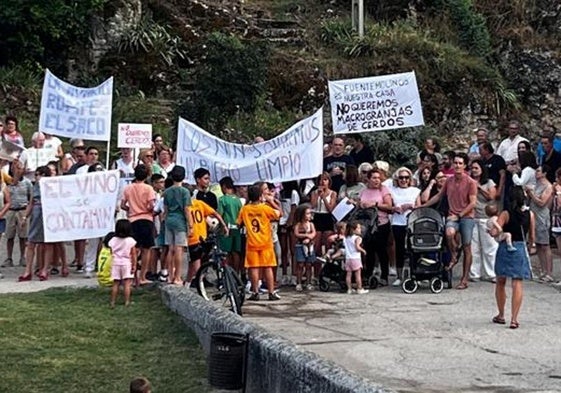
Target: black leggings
[(378, 245)]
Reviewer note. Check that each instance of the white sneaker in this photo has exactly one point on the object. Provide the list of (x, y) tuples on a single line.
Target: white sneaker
[(88, 275), (362, 291), (285, 281), (299, 288), (349, 291), (310, 287), (393, 272), (293, 281), (396, 283)]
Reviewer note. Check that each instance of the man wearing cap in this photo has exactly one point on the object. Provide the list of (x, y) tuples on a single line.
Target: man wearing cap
[(336, 163)]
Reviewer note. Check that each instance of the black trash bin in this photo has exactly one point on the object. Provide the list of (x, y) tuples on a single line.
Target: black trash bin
[(227, 363)]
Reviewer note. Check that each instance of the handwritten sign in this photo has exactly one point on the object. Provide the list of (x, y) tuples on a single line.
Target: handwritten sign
[(79, 206), (295, 154), (375, 103), (76, 112), (134, 135), (38, 157)]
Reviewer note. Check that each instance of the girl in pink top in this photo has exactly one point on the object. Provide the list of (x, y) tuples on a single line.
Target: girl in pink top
[(124, 260)]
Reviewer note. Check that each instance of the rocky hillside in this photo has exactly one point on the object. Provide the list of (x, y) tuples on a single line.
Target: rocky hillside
[(478, 62)]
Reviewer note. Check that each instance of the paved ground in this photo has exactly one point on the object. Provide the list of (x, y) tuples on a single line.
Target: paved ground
[(412, 343)]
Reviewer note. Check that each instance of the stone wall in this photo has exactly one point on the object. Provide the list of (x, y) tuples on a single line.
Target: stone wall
[(275, 365)]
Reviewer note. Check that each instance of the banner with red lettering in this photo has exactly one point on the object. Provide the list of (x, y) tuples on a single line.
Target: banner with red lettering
[(79, 206), (134, 135)]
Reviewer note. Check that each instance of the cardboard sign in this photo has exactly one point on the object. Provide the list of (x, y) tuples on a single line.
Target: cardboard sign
[(134, 135)]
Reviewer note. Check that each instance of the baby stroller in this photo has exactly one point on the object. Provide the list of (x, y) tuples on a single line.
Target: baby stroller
[(425, 243), (368, 219), (334, 270)]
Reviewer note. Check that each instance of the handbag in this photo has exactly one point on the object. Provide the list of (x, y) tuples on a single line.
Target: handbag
[(2, 225)]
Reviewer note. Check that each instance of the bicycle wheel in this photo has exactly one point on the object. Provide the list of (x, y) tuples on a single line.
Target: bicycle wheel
[(233, 290), (210, 283)]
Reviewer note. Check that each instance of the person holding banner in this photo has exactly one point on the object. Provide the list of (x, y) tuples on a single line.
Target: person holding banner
[(138, 201)]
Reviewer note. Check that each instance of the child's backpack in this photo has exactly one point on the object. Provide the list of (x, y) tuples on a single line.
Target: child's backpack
[(104, 263)]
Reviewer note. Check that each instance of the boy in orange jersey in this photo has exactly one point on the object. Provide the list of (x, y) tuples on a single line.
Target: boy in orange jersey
[(260, 254), (199, 212)]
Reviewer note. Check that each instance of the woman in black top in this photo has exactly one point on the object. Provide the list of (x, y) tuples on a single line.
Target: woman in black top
[(518, 221)]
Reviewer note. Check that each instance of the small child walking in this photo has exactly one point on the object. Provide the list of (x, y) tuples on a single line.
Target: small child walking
[(305, 233), (493, 213), (353, 263), (124, 260)]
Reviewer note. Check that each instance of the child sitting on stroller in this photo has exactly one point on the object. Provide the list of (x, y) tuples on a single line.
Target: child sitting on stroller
[(336, 244)]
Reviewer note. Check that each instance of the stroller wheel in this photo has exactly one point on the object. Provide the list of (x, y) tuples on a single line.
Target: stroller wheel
[(323, 284), (373, 282), (409, 286), (436, 285)]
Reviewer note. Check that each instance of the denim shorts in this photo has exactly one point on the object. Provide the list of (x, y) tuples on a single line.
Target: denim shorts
[(301, 257), (465, 226)]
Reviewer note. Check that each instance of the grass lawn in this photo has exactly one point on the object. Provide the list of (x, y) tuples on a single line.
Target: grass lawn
[(69, 340)]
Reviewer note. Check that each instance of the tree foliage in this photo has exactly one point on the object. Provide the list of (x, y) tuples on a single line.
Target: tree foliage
[(230, 79), (43, 31)]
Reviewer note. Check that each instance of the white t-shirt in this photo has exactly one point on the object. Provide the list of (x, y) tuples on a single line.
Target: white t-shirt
[(286, 205), (402, 196), (351, 252), (508, 149)]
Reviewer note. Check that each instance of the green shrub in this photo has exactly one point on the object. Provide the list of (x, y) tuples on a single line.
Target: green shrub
[(230, 79), (44, 31)]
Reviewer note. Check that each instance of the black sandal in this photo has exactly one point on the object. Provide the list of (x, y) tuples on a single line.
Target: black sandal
[(499, 320)]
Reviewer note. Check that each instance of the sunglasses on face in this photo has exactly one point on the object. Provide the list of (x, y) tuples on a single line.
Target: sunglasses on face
[(403, 177)]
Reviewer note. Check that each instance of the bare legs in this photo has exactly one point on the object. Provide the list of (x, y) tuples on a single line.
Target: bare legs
[(546, 259), (517, 296), (115, 291)]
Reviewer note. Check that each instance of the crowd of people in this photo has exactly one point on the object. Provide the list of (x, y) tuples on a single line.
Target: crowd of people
[(495, 201)]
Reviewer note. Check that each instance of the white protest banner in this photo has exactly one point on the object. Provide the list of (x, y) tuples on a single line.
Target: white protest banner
[(295, 154), (76, 112), (79, 206), (375, 103), (134, 135)]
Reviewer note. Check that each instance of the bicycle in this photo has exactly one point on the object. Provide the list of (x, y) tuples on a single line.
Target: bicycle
[(216, 281)]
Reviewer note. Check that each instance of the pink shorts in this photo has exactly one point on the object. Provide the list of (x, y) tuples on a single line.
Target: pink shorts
[(352, 265), (121, 272)]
